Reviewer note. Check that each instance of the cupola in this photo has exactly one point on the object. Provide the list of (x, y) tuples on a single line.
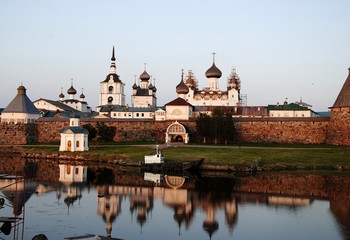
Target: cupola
[(213, 71)]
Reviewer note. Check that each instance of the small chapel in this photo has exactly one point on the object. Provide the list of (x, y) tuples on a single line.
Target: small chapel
[(74, 138)]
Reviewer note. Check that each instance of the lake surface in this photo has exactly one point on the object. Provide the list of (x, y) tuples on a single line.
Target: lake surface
[(61, 199)]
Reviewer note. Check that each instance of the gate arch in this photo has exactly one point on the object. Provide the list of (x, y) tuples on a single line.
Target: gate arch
[(176, 132)]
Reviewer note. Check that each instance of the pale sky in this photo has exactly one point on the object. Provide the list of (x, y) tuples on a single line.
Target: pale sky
[(280, 48)]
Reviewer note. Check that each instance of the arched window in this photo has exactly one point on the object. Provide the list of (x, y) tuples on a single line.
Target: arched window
[(110, 89), (76, 171), (176, 128), (77, 144), (110, 100)]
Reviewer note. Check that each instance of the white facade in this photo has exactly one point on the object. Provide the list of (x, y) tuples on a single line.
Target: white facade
[(17, 118), (178, 112), (74, 138), (144, 95), (112, 88), (160, 115), (210, 95), (292, 113), (70, 173)]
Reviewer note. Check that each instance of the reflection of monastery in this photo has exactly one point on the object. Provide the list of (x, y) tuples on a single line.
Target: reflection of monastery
[(210, 201)]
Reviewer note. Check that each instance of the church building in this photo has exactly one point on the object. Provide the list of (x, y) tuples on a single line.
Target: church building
[(74, 138), (210, 95), (112, 88)]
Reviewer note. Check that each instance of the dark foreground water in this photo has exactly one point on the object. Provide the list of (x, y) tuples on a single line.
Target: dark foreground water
[(64, 200)]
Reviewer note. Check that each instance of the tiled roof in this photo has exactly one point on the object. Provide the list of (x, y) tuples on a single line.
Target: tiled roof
[(114, 76), (74, 130), (58, 104), (21, 104), (125, 109), (178, 102), (343, 99), (291, 106)]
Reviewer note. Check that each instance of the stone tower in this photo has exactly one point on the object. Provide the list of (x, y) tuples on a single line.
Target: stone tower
[(339, 124)]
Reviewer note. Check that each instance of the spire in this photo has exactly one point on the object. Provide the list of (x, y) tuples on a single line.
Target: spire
[(113, 68), (113, 57)]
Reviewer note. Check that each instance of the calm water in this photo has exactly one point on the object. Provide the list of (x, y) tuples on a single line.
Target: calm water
[(64, 200)]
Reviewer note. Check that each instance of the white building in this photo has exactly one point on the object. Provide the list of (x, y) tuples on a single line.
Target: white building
[(74, 138), (112, 88), (63, 105), (210, 95), (20, 110), (290, 110), (178, 109), (144, 94)]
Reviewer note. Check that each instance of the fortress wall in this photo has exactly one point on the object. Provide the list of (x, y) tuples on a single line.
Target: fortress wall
[(126, 131), (259, 130), (283, 130), (14, 134)]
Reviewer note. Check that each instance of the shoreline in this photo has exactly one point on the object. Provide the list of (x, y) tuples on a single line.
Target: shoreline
[(125, 161)]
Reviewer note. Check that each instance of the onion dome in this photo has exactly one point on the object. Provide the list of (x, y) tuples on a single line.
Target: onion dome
[(181, 88), (150, 86), (61, 95), (134, 86), (213, 72), (71, 90), (82, 95), (145, 76), (154, 89)]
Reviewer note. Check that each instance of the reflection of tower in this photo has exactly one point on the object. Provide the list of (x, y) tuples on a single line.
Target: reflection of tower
[(231, 214), (142, 202), (108, 205), (179, 200), (210, 225)]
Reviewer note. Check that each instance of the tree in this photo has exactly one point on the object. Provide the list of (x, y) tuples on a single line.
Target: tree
[(203, 125), (91, 129), (105, 133), (219, 126)]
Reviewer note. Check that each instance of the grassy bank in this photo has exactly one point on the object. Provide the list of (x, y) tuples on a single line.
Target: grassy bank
[(268, 156)]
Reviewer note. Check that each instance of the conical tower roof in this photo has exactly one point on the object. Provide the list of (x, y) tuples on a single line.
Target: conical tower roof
[(343, 99), (21, 103)]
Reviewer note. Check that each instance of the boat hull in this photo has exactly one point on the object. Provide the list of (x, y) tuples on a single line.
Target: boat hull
[(172, 167)]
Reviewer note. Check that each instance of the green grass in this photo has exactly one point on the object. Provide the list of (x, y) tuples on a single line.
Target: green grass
[(277, 156)]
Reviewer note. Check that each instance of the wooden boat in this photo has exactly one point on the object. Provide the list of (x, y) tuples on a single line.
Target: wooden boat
[(156, 157), (172, 167)]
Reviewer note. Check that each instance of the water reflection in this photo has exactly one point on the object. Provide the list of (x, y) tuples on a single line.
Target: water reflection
[(110, 201)]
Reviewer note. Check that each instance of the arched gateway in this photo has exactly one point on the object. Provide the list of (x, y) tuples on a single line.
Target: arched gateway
[(176, 132)]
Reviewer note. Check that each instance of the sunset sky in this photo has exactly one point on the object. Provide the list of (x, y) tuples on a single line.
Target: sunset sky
[(280, 48)]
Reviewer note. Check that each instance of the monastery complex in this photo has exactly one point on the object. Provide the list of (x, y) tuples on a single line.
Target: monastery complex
[(44, 120)]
